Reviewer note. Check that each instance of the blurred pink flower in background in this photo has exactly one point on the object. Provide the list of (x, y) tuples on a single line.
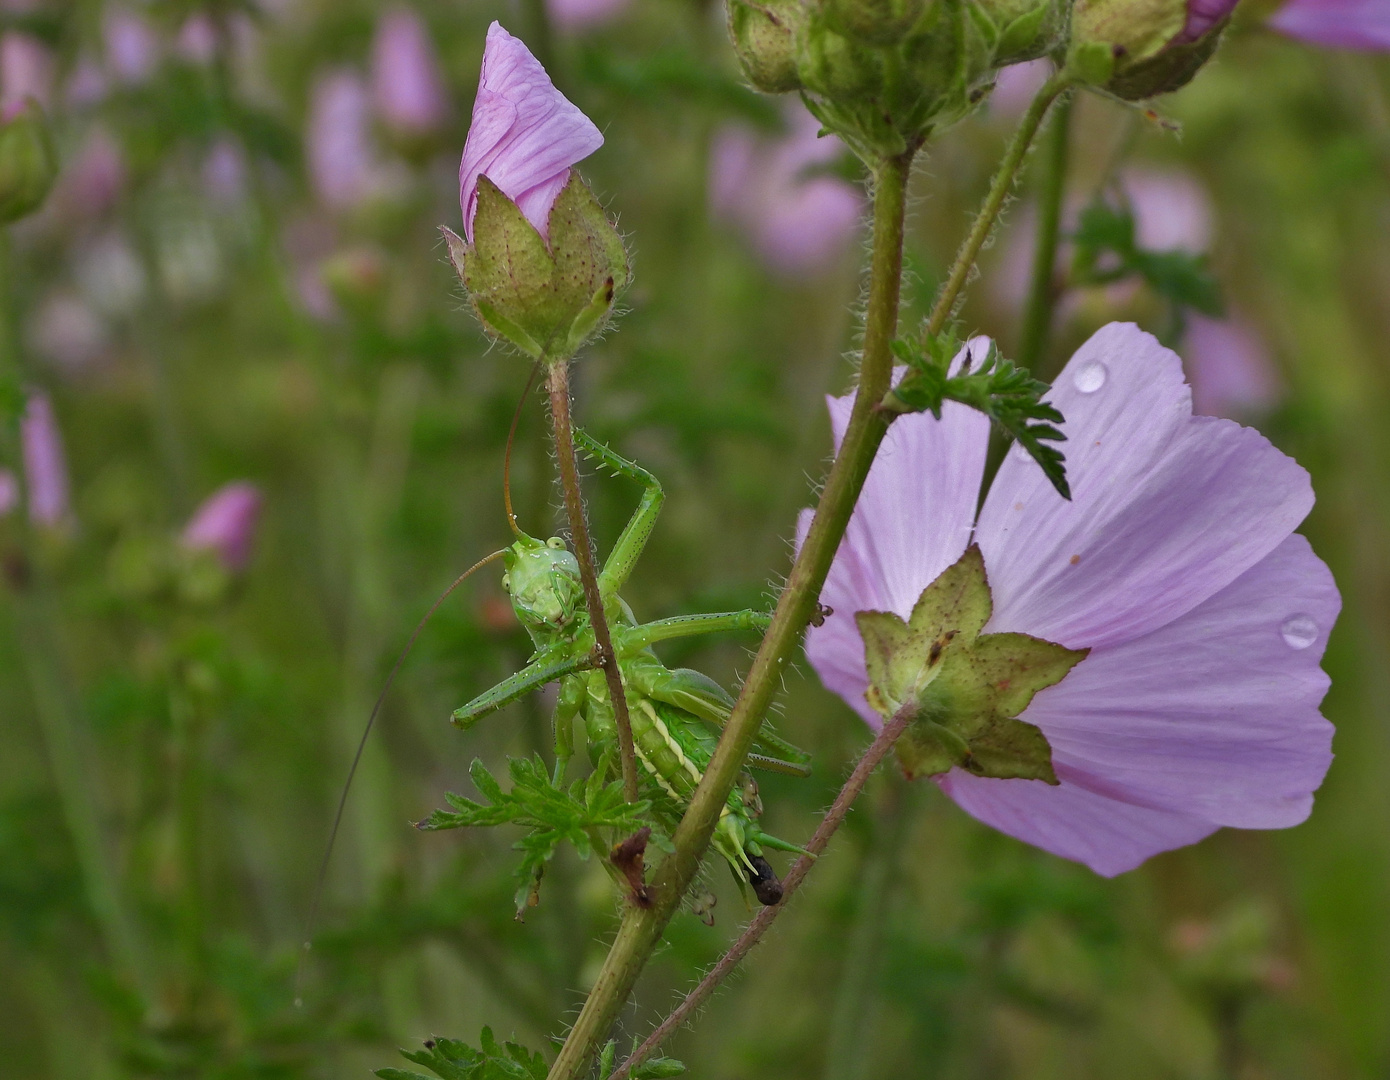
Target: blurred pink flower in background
[(799, 222), (91, 182), (1340, 24), (1175, 564), (1229, 367), (1172, 212), (224, 172), (66, 331), (1016, 86), (524, 134), (225, 524), (26, 70), (407, 86), (344, 168), (45, 465), (132, 47), (198, 39), (87, 84), (582, 14)]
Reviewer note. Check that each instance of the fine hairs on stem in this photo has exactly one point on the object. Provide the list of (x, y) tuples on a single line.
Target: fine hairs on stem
[(557, 382), (753, 933)]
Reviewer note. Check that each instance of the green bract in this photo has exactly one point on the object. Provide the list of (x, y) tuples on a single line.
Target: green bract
[(1134, 48), (27, 164), (968, 687), (547, 300)]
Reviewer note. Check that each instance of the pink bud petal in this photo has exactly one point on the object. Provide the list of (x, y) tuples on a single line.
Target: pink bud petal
[(524, 135), (26, 70), (226, 524), (1202, 15), (343, 166)]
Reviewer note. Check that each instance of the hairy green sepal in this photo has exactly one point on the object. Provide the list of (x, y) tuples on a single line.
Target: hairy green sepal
[(968, 687), (1126, 46), (545, 299)]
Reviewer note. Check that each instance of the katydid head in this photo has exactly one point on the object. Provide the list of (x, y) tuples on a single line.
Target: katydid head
[(542, 579)]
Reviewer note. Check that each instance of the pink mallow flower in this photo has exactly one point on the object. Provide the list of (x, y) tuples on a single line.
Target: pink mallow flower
[(407, 87), (1340, 24), (226, 524), (1175, 563), (45, 464), (524, 135), (798, 220), (26, 71), (344, 168)]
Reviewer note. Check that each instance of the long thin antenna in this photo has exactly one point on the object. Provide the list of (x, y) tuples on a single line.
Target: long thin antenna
[(357, 759), (511, 438)]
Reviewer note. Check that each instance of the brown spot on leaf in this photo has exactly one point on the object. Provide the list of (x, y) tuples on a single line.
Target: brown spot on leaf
[(1074, 559), (627, 857)]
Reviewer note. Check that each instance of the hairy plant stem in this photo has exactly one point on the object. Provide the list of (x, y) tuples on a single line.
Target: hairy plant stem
[(999, 189), (1043, 291), (753, 933), (558, 385), (641, 928)]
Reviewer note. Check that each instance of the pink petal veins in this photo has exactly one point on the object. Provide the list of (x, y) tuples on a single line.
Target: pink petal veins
[(524, 135)]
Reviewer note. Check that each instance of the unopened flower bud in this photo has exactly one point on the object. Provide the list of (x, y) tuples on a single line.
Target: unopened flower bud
[(764, 39), (1136, 49), (27, 162), (408, 88), (876, 22), (45, 464), (542, 263)]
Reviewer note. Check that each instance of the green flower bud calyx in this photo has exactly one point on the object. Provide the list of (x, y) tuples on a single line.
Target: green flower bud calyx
[(28, 165), (545, 299), (968, 688), (764, 39), (1137, 49)]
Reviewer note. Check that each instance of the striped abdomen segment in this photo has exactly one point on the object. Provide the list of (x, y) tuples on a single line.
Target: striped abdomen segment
[(669, 745)]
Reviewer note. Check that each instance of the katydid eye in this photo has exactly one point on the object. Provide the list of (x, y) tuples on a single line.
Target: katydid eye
[(507, 582), (555, 543)]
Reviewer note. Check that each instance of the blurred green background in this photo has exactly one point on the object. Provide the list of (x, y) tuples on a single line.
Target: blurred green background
[(175, 735)]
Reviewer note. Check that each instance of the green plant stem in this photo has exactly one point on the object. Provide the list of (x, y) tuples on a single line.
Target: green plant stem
[(753, 933), (1000, 187), (641, 928), (558, 385), (1043, 291)]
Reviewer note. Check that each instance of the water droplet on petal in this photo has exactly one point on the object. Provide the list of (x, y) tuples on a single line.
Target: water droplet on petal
[(1090, 377), (1020, 453), (1299, 631)]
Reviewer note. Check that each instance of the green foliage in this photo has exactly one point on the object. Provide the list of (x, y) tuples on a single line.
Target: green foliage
[(1107, 251), (1008, 395), (450, 1059), (651, 1069), (551, 815), (967, 688)]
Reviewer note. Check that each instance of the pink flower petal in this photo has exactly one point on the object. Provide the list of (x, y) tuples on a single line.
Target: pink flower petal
[(1214, 715), (1167, 508), (1108, 836), (524, 135), (1202, 16), (912, 522), (1339, 24)]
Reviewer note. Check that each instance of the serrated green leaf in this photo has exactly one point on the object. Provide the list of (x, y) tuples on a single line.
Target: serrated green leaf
[(484, 781)]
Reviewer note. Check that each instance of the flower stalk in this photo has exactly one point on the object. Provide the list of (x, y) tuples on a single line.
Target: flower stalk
[(558, 386), (755, 930), (1042, 292)]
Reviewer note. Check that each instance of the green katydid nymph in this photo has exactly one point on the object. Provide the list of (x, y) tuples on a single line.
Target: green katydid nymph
[(673, 711)]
